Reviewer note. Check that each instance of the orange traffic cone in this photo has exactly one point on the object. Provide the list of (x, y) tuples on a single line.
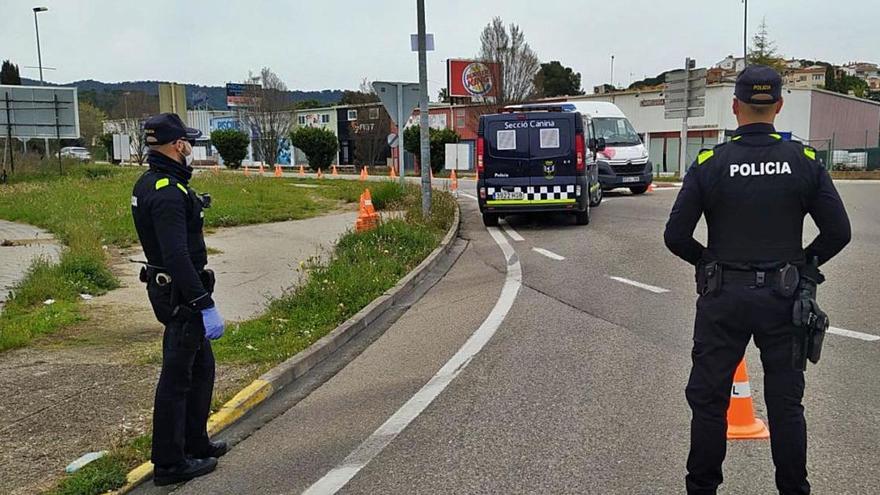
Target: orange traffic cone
[(247, 171), (391, 173), (651, 187), (363, 174), (262, 170), (741, 421), (454, 179), (367, 217), (278, 171), (334, 173), (366, 172), (320, 174), (302, 171)]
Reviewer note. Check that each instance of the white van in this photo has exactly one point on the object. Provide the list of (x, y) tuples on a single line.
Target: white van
[(624, 160)]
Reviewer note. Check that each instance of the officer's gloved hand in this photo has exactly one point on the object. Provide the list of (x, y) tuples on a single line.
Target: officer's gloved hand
[(214, 325)]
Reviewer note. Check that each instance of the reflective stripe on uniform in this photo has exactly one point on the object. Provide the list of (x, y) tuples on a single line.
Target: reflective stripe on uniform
[(736, 138), (775, 136), (811, 153), (704, 155), (180, 186), (162, 183)]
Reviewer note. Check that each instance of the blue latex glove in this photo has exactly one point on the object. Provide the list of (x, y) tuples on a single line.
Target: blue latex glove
[(214, 325)]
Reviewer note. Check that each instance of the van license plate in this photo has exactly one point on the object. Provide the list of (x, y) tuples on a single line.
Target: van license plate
[(509, 195), (634, 178)]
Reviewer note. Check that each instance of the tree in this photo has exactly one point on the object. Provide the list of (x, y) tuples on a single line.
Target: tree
[(763, 50), (439, 138), (370, 134), (443, 95), (9, 74), (319, 145), (269, 114), (555, 80), (91, 122), (519, 64), (232, 145), (137, 139), (364, 94), (306, 104)]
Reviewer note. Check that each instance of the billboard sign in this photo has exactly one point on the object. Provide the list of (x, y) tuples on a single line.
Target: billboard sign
[(39, 112), (237, 94), (472, 79)]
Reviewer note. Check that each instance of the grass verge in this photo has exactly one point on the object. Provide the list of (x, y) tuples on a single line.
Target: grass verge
[(363, 266), (87, 208)]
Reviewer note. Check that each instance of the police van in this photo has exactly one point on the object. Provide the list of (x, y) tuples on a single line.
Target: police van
[(624, 160), (533, 159)]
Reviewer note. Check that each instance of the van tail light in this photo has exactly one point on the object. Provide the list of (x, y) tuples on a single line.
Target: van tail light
[(579, 150), (481, 150)]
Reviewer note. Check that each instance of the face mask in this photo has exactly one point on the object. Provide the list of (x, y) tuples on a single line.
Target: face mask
[(187, 157)]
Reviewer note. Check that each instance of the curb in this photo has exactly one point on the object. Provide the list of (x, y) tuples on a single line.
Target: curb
[(296, 366)]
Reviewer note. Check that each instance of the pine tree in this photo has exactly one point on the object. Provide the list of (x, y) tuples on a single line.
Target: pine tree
[(763, 50), (9, 74)]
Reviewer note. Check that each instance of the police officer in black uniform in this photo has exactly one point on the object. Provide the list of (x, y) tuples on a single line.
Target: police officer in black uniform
[(168, 216), (754, 191)]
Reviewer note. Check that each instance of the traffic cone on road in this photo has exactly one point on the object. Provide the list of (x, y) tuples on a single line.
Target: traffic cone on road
[(262, 170), (651, 187), (334, 173), (302, 171), (363, 174), (391, 173), (278, 171), (741, 421), (454, 178), (320, 174)]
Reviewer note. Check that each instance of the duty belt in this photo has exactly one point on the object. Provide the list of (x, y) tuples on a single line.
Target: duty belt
[(750, 277)]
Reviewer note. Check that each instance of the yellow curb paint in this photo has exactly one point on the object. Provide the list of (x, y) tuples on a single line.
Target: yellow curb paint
[(243, 402)]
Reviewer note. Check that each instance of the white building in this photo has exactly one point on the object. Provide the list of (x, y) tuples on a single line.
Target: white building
[(813, 116)]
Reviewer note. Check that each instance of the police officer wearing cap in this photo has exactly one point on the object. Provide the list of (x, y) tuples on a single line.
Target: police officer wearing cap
[(168, 216), (754, 277)]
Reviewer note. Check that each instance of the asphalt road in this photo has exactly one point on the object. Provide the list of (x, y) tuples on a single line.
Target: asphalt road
[(579, 387)]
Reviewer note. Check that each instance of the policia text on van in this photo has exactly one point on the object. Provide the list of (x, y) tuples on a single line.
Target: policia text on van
[(534, 160)]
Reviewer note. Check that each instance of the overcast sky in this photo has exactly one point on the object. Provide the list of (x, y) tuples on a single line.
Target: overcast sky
[(329, 44)]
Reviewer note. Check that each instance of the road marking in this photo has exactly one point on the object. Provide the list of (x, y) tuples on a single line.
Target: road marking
[(469, 196), (549, 254), (512, 233), (856, 335), (651, 288), (339, 476)]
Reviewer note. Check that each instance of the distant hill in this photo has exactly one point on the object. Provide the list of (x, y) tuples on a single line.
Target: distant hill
[(212, 97)]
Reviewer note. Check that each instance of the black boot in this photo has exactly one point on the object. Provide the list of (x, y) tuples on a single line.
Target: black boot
[(185, 471), (214, 449)]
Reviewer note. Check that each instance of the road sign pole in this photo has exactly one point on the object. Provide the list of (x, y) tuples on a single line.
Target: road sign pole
[(401, 169), (682, 161), (423, 111)]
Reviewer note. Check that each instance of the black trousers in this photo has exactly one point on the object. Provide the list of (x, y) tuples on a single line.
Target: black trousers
[(183, 395), (724, 324)]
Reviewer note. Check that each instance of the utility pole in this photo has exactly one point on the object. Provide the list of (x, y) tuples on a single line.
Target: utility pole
[(612, 71), (682, 160), (745, 34), (424, 122), (40, 64)]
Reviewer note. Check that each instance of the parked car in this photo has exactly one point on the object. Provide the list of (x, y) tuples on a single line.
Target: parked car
[(77, 153)]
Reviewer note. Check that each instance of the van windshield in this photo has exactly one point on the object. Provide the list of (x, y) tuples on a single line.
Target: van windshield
[(617, 131)]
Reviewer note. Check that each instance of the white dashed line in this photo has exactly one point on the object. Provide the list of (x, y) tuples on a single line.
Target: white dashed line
[(471, 196), (852, 334), (549, 254), (339, 476), (650, 288), (512, 233)]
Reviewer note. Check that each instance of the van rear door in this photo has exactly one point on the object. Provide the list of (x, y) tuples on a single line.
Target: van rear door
[(507, 151), (552, 157)]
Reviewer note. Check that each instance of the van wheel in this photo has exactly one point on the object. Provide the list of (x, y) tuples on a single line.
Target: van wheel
[(490, 219), (639, 189), (583, 217), (597, 198)]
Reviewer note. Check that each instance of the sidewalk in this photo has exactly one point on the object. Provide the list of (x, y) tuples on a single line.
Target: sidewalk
[(89, 386), (20, 245)]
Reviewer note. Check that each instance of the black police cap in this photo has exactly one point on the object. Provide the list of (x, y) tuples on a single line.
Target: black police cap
[(167, 128), (759, 85)]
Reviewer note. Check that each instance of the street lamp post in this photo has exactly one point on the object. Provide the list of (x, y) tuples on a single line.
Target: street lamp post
[(745, 32), (37, 28)]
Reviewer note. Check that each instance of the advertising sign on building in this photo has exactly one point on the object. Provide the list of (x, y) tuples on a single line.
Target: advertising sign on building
[(473, 79), (237, 94)]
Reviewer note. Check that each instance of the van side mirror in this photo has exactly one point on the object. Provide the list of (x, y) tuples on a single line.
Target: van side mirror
[(600, 144)]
